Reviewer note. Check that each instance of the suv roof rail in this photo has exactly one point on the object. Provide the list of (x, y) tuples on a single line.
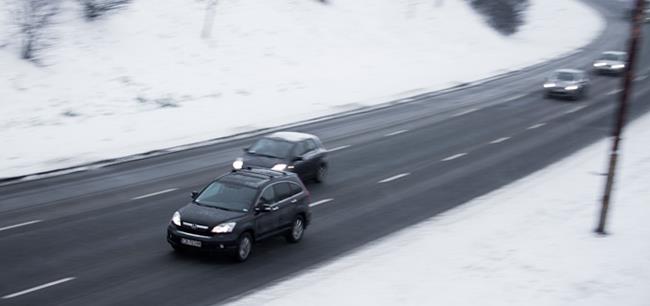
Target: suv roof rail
[(260, 172)]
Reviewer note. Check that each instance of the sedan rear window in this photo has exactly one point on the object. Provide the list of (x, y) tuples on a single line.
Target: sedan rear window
[(227, 196)]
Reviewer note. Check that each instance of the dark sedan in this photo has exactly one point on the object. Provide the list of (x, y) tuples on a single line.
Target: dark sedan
[(300, 153)]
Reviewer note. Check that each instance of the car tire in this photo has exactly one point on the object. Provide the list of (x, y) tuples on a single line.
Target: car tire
[(244, 247), (321, 174), (297, 230)]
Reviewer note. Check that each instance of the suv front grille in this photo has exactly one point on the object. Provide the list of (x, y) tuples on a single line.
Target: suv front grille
[(195, 228)]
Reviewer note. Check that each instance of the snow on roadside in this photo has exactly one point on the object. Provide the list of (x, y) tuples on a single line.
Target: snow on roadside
[(142, 79), (529, 243)]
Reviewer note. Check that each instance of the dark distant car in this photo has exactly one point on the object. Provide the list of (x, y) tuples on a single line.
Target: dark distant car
[(240, 208), (610, 62), (300, 153), (568, 83)]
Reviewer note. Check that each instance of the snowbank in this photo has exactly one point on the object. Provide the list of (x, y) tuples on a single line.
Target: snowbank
[(142, 78), (530, 243)]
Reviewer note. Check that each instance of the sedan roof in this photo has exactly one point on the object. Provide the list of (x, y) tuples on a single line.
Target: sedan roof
[(291, 136)]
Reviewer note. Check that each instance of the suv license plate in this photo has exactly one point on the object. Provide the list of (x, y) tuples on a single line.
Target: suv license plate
[(189, 242)]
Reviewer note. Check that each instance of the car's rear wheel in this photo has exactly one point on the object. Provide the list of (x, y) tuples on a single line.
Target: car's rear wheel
[(244, 247), (297, 230), (321, 174)]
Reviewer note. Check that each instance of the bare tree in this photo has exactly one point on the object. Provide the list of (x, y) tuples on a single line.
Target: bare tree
[(33, 17), (96, 8)]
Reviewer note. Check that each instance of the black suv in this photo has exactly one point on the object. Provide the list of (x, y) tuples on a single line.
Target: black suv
[(300, 153), (240, 208)]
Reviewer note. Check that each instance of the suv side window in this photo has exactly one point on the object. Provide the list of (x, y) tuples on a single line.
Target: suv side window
[(301, 149), (295, 189), (282, 191), (311, 145), (268, 196)]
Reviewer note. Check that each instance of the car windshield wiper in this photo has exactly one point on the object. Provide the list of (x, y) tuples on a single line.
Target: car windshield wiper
[(262, 154)]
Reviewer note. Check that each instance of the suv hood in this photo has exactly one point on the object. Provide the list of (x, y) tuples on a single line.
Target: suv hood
[(206, 215)]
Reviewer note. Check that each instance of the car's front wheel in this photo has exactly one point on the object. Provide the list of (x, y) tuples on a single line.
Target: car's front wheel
[(321, 174), (297, 230), (244, 247)]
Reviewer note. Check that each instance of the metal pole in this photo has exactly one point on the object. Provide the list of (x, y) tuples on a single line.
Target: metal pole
[(622, 111)]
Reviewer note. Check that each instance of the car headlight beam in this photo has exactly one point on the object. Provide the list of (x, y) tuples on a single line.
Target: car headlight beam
[(572, 87), (238, 164), (599, 64), (176, 219), (224, 228), (279, 167), (549, 85)]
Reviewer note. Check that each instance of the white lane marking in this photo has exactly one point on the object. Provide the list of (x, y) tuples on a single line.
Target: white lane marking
[(613, 92), (50, 284), (471, 110), (154, 193), (396, 133), (453, 157), (517, 97), (323, 201), (534, 126), (500, 140), (641, 77), (19, 225), (395, 177), (338, 148), (575, 109)]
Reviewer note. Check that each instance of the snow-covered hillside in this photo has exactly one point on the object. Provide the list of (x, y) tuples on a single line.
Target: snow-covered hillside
[(142, 77)]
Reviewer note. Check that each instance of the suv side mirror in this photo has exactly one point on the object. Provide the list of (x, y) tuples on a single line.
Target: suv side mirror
[(264, 207), (195, 195)]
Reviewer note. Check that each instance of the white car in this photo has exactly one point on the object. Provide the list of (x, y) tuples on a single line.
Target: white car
[(611, 62)]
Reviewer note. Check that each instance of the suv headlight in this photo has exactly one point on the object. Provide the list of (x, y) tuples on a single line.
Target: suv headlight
[(618, 66), (176, 219), (238, 164), (549, 85), (571, 87), (279, 167), (224, 228)]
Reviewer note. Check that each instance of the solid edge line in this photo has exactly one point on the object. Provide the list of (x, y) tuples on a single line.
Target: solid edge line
[(395, 177), (154, 193), (19, 225), (323, 201), (50, 284)]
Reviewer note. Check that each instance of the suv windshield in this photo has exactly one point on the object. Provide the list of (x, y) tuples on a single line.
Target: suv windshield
[(227, 196), (565, 76), (271, 147)]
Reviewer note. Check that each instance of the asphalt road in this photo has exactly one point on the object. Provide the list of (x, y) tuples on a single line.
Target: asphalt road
[(98, 237)]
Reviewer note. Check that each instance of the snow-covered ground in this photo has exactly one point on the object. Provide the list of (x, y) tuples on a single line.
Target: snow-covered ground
[(529, 243), (142, 78)]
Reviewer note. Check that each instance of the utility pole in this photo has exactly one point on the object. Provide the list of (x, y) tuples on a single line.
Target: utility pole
[(633, 44)]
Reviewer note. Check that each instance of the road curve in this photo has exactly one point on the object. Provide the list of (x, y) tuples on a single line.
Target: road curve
[(98, 237)]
